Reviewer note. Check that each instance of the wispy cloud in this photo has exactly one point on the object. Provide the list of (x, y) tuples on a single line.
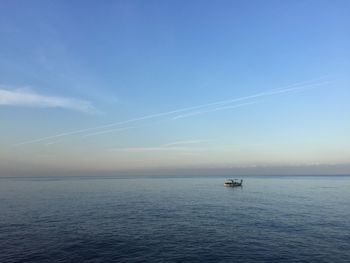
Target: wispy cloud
[(185, 142), (191, 111), (177, 146), (151, 149), (28, 98), (51, 143)]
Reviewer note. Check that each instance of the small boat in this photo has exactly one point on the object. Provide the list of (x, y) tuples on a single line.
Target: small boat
[(233, 182)]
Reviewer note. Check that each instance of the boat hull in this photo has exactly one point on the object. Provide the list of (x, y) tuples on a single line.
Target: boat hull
[(232, 185)]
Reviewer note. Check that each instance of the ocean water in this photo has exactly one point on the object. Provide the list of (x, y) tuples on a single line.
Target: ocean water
[(269, 219)]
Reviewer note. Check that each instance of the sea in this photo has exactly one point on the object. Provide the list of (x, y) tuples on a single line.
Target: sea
[(173, 219)]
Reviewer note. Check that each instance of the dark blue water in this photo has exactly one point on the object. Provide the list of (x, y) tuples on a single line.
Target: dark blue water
[(276, 219)]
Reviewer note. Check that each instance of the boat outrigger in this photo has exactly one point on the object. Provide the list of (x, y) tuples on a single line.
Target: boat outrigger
[(233, 182)]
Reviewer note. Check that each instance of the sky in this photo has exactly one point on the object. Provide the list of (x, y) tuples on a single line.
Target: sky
[(174, 87)]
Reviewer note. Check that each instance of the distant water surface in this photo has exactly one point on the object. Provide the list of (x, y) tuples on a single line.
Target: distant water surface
[(269, 219)]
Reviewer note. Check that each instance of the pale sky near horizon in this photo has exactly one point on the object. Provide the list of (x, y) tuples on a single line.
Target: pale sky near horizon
[(118, 86)]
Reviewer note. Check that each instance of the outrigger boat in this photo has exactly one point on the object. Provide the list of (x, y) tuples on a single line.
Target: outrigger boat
[(233, 182)]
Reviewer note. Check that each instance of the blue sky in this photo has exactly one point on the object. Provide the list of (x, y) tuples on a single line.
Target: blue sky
[(139, 86)]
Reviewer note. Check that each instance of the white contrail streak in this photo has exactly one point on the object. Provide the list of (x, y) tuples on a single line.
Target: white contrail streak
[(54, 136), (108, 131), (293, 87), (212, 110), (263, 94)]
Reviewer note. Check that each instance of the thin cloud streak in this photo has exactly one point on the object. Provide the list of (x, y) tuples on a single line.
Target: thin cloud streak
[(177, 146), (152, 116), (51, 143), (108, 131), (290, 88), (27, 98), (263, 94), (185, 142), (54, 136), (191, 114), (152, 149)]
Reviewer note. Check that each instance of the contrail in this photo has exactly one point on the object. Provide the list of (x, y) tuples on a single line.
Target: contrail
[(212, 110), (53, 136), (268, 93), (108, 131), (289, 88), (263, 94)]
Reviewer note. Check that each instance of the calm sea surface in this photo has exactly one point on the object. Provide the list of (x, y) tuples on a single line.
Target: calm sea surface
[(269, 219)]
